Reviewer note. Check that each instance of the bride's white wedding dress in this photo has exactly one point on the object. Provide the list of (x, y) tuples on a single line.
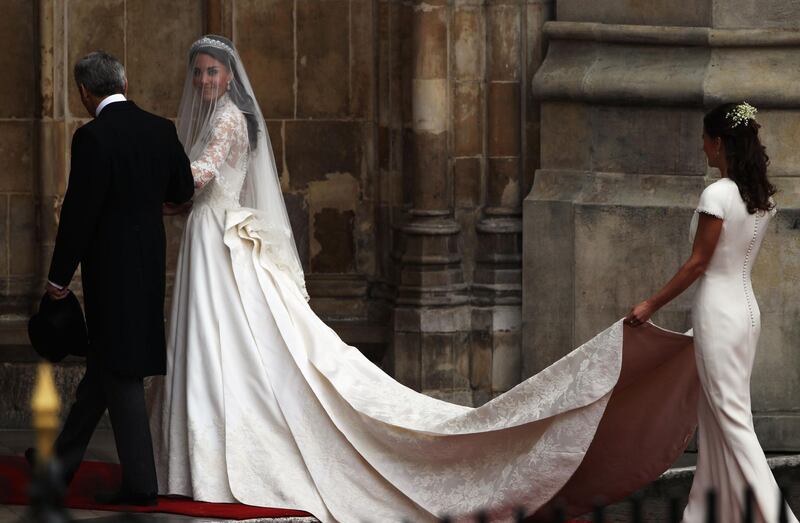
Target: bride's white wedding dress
[(263, 404)]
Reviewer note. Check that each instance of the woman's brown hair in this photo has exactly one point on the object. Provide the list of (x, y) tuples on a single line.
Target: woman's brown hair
[(747, 158)]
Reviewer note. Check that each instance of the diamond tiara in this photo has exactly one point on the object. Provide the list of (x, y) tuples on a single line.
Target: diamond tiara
[(210, 42)]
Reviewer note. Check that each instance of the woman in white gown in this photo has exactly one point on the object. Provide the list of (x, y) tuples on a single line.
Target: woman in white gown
[(727, 229), (263, 404)]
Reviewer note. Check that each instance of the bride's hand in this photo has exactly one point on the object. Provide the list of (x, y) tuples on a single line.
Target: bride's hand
[(639, 314)]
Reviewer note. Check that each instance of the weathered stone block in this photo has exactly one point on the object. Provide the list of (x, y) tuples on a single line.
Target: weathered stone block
[(384, 148), (94, 25), (362, 58), (406, 358), (157, 53), (426, 154), (16, 388), (761, 69), (429, 42), (391, 189), (647, 140), (314, 149), (18, 93), (567, 142), (506, 359), (467, 182), (16, 157), (480, 374), (22, 226), (780, 134), (438, 365), (468, 43), (275, 130), (268, 54), (505, 41), (467, 119), (504, 121), (4, 241), (445, 320), (653, 12), (776, 282), (622, 139), (298, 216), (333, 232), (735, 14), (323, 58), (503, 186)]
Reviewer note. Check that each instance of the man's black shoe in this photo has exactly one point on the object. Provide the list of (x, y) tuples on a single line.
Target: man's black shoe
[(127, 498)]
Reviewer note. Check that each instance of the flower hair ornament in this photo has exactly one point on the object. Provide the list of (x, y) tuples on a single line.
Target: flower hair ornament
[(741, 114)]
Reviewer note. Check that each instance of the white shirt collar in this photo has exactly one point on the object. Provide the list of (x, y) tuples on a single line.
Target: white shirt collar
[(109, 100)]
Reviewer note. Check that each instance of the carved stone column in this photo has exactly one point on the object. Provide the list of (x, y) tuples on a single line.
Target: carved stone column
[(52, 126), (624, 89), (497, 278), (19, 109), (431, 321), (513, 49)]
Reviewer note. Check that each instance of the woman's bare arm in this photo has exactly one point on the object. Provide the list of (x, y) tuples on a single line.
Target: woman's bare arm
[(705, 241)]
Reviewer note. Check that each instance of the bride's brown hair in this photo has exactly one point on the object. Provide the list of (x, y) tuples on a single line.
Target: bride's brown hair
[(747, 158)]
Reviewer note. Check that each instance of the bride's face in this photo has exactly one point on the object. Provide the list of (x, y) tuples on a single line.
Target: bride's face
[(210, 77)]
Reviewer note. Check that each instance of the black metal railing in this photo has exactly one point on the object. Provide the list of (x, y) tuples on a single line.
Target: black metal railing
[(675, 511)]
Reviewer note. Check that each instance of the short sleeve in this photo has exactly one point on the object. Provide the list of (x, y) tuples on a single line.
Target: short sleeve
[(715, 199)]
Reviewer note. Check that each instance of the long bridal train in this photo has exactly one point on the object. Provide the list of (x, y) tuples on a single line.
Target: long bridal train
[(285, 414)]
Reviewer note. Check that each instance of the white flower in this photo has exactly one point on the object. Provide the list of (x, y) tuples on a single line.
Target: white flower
[(741, 114)]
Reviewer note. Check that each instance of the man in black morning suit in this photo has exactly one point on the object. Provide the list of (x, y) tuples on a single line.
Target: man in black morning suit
[(126, 163)]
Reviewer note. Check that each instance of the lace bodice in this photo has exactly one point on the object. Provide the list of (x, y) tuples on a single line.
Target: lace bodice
[(221, 168)]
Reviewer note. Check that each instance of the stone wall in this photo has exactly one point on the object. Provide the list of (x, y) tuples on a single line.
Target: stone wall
[(18, 159), (404, 131), (606, 223)]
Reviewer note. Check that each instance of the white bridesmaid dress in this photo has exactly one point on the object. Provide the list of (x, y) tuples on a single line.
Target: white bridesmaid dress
[(726, 323)]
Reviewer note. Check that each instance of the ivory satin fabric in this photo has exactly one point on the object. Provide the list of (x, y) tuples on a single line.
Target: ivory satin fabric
[(263, 404)]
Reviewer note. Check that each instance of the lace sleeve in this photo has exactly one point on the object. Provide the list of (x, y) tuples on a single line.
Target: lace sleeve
[(207, 166)]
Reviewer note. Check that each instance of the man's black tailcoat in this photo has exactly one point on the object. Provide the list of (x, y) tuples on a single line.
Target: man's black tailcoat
[(125, 164)]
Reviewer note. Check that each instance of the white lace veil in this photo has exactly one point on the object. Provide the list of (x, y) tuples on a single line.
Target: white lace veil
[(261, 190)]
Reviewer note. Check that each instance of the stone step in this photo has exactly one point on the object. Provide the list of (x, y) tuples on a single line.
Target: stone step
[(677, 481)]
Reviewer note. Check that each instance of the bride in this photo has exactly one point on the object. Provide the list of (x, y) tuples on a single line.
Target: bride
[(263, 404)]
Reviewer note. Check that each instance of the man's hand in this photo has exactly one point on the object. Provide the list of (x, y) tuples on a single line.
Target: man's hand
[(55, 293), (172, 209)]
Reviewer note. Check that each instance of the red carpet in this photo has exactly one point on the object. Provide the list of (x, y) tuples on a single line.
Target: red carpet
[(94, 477)]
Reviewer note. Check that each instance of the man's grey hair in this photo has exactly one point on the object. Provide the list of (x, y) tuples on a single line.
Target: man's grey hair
[(100, 73)]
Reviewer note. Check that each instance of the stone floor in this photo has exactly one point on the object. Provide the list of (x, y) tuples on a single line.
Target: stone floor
[(674, 483)]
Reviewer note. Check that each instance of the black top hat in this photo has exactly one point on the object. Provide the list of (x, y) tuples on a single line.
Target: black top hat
[(58, 329)]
